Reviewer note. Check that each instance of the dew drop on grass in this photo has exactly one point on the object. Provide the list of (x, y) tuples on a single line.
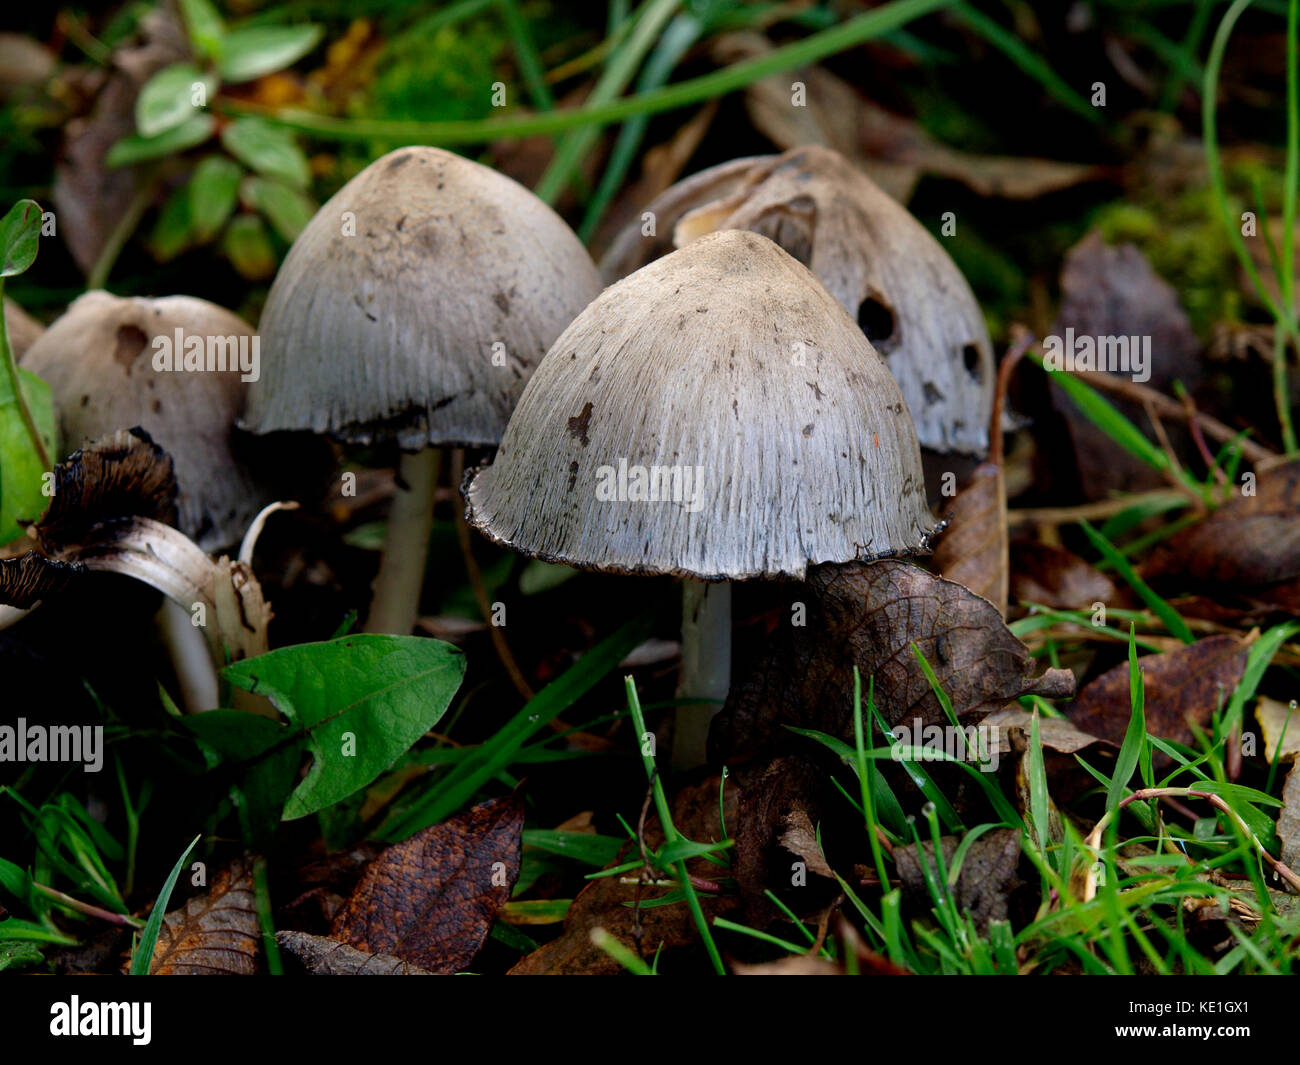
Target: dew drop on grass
[(928, 810)]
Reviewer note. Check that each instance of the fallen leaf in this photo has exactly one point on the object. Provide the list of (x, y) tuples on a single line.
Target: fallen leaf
[(1288, 818), (323, 956), (1249, 547), (800, 839), (1280, 724), (1054, 577), (1188, 683), (893, 150), (213, 934), (431, 899), (869, 615), (791, 965), (972, 550), (1056, 734), (606, 903), (984, 883), (1112, 291)]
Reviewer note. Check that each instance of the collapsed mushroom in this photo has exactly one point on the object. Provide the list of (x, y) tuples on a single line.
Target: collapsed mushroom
[(715, 416), (174, 366), (413, 308), (878, 261)]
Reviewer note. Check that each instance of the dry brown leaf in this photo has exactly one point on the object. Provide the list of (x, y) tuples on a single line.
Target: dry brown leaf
[(1188, 683), (1280, 724), (973, 549), (1054, 733), (431, 899), (986, 879), (215, 934), (601, 904), (790, 965), (800, 839), (869, 615), (323, 956), (1288, 818), (1054, 577)]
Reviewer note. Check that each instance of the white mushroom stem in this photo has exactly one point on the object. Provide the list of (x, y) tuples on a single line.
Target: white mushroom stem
[(410, 521), (706, 667), (191, 659)]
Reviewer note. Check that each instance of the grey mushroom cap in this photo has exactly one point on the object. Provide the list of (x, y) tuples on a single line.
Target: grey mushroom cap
[(882, 265), (729, 366), (416, 304), (98, 359)]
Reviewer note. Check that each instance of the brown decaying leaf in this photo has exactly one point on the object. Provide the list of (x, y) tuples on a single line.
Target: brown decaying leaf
[(972, 550), (214, 934), (1113, 292), (431, 899), (1188, 682), (800, 839), (1280, 725), (869, 615), (1054, 733), (1248, 547), (323, 956), (791, 965), (1288, 818), (1054, 577), (986, 880), (893, 150), (605, 903)]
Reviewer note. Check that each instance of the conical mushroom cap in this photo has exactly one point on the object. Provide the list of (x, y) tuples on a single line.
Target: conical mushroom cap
[(98, 358), (416, 304), (784, 439), (881, 264)]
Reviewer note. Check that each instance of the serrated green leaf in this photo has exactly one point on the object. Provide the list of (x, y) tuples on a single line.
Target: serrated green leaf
[(137, 149), (213, 191), (287, 209), (362, 701), (259, 50), (167, 98), (269, 150)]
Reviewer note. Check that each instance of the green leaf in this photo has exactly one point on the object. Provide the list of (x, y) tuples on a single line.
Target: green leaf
[(258, 50), (362, 700), (142, 956), (173, 230), (267, 149), (21, 466), (137, 149), (213, 191), (204, 25), (14, 879), (582, 847), (15, 953), (287, 209), (167, 98), (248, 247), (20, 232)]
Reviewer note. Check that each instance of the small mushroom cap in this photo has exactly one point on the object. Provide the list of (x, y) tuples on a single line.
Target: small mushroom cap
[(881, 264), (98, 358), (714, 415), (416, 304)]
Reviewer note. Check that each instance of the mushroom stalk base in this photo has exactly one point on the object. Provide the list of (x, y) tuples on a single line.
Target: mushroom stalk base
[(706, 667), (406, 548), (196, 675)]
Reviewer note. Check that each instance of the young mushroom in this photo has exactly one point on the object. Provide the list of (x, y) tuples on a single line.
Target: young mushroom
[(715, 416), (173, 367), (413, 308), (878, 261)]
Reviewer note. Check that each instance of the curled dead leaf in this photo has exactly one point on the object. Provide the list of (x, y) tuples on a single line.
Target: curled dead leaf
[(214, 934)]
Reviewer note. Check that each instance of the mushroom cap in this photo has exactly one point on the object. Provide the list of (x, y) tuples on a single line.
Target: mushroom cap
[(882, 265), (729, 364), (423, 325), (98, 360)]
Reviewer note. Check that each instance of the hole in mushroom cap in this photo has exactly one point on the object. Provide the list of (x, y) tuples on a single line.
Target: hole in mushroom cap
[(971, 356), (877, 320), (130, 342)]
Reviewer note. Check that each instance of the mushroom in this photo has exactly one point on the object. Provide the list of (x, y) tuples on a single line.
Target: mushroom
[(413, 308), (105, 360), (878, 261), (715, 416), (23, 329)]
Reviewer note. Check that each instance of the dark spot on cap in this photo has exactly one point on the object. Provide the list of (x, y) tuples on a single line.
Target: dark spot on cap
[(398, 160), (932, 394), (573, 474), (876, 320), (502, 301), (130, 342), (807, 429), (578, 425), (970, 355)]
